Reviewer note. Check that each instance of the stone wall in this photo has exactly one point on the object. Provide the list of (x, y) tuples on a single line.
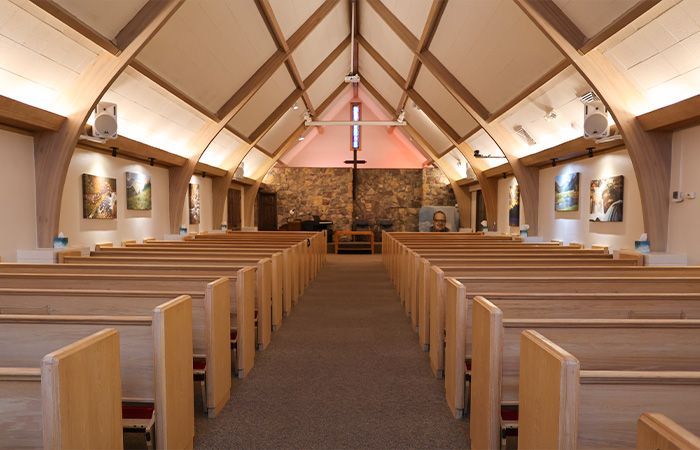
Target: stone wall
[(395, 194)]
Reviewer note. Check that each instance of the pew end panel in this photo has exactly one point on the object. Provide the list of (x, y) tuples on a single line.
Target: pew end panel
[(424, 304), (245, 318), (218, 375), (658, 432), (437, 322), (81, 394), (486, 366), (264, 302), (549, 377), (172, 334), (630, 255), (456, 315), (277, 290)]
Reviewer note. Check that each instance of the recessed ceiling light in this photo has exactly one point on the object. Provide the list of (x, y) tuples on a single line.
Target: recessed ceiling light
[(295, 107), (301, 138)]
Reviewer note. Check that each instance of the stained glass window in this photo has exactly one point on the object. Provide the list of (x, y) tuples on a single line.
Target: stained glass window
[(355, 128)]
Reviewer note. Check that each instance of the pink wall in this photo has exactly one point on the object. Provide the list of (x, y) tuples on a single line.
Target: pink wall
[(383, 149)]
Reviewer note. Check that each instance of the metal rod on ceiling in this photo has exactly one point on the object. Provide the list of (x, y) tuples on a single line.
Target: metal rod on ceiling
[(382, 123), (352, 39)]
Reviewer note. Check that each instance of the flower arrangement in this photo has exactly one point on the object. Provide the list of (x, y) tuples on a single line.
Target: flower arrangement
[(484, 225)]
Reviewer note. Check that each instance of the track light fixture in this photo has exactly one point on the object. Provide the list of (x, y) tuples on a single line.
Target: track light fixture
[(114, 151), (477, 154), (204, 174), (151, 161), (590, 152), (505, 176), (554, 162)]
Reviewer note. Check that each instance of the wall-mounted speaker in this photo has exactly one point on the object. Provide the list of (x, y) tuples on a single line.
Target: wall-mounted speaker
[(595, 120), (105, 126)]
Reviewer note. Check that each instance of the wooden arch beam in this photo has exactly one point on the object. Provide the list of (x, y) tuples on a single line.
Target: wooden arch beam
[(180, 177), (53, 149), (650, 152), (527, 177)]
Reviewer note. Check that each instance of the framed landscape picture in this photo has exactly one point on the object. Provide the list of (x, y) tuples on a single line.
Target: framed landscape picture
[(607, 195), (99, 197), (514, 205), (566, 192), (194, 203), (138, 191)]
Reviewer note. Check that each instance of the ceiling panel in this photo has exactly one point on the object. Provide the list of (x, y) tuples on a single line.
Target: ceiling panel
[(457, 164), (561, 95), (209, 48), (412, 13), (254, 162), (149, 114), (378, 78), (581, 13), (660, 57), (482, 141), (498, 52), (224, 148), (281, 130), (330, 79), (291, 14), (427, 129), (38, 59), (107, 17), (323, 40), (444, 103), (263, 103), (383, 39)]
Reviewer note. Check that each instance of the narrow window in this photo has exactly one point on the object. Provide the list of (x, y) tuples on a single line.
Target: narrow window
[(356, 116)]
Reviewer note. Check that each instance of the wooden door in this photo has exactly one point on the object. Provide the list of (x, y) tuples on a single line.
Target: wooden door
[(233, 203), (480, 210), (267, 211)]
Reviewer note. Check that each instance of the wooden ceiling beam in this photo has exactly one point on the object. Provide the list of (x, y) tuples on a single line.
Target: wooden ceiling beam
[(388, 68), (434, 116), (53, 149), (16, 114), (567, 29), (131, 30), (677, 116), (318, 71), (274, 116), (650, 152), (64, 16)]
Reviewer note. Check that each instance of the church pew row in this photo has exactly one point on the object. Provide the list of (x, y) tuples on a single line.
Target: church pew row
[(155, 360), (569, 399), (210, 323), (241, 301), (69, 398), (601, 340), (657, 432), (268, 296)]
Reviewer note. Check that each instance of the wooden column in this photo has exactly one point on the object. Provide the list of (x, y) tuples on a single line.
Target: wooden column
[(650, 152), (53, 150)]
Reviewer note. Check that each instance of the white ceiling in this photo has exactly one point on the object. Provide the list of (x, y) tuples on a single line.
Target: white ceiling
[(384, 40), (322, 40), (426, 128), (93, 12), (412, 13), (330, 79), (378, 78), (224, 148), (583, 13), (291, 14)]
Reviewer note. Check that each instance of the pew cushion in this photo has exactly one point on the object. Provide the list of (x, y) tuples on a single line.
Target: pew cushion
[(137, 411)]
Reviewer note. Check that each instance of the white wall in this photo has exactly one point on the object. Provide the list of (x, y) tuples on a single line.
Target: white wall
[(129, 224), (206, 205), (18, 199), (684, 218), (574, 226)]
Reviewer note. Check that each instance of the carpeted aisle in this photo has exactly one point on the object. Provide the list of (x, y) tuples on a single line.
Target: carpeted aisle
[(344, 371)]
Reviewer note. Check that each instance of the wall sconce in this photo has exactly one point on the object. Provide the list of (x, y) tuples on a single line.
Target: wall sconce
[(114, 151), (151, 161)]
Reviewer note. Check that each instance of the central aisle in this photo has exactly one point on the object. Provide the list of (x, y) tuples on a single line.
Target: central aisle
[(345, 370)]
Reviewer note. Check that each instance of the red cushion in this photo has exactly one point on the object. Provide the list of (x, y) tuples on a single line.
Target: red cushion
[(199, 363), (137, 410), (509, 413), (468, 365), (234, 334)]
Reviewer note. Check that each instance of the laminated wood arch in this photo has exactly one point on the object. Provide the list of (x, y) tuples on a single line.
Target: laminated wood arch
[(650, 152), (527, 177), (53, 149)]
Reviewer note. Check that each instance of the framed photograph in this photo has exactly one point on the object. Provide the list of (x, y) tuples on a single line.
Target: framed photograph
[(607, 195), (138, 191), (99, 197), (195, 211), (514, 205), (566, 192)]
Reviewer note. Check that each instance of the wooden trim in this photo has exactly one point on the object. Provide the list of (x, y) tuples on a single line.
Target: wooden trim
[(395, 24), (534, 86), (307, 27), (627, 18), (570, 149), (656, 431), (677, 116), (131, 30), (436, 11), (26, 117), (560, 21), (398, 79), (78, 25), (498, 171)]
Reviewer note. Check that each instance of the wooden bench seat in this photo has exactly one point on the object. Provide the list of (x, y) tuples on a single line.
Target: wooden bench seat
[(68, 399), (155, 350), (569, 400), (210, 323)]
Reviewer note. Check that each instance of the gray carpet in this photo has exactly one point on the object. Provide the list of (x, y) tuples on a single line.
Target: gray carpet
[(344, 371)]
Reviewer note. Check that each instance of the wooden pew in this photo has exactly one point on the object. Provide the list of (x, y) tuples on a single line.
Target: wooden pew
[(657, 432), (67, 399), (242, 299), (571, 399), (210, 323), (156, 358)]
